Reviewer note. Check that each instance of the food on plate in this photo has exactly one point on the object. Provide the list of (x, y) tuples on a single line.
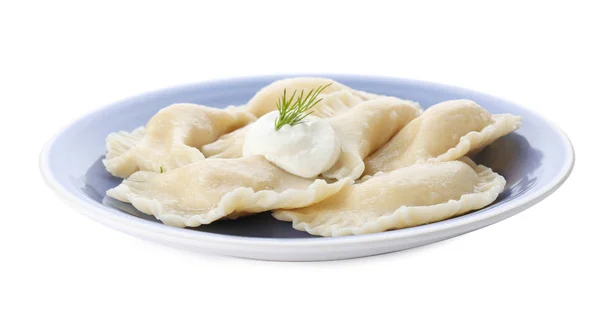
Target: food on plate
[(332, 160)]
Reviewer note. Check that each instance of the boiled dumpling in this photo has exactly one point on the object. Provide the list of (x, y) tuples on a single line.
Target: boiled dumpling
[(365, 128), (171, 138), (228, 146), (211, 189), (409, 196), (444, 132), (336, 98)]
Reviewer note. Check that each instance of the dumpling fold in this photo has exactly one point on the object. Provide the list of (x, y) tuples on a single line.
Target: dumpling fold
[(228, 146)]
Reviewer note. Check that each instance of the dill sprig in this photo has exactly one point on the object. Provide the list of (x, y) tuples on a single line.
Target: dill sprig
[(291, 112)]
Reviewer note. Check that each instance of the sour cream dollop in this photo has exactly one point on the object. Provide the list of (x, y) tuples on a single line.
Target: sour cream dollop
[(306, 149)]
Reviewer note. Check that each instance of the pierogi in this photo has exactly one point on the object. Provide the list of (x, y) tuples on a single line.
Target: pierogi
[(383, 164)]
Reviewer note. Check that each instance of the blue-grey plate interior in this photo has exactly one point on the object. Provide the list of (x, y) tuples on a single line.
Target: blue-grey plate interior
[(528, 158)]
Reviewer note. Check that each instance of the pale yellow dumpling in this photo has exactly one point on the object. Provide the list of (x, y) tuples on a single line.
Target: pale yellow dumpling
[(444, 132), (171, 138), (211, 189), (409, 196)]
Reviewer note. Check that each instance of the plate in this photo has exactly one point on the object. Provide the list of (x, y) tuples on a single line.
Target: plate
[(535, 160)]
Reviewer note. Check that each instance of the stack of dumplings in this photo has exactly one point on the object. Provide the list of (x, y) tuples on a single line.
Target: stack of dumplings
[(399, 166)]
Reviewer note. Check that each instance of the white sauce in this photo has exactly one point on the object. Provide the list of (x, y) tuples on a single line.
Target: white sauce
[(306, 149)]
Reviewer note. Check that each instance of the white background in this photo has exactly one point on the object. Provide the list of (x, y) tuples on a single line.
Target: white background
[(59, 60)]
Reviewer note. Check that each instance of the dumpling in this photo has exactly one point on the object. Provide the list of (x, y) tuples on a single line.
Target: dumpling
[(211, 189), (444, 132), (336, 98), (228, 146), (409, 196), (171, 138), (365, 128)]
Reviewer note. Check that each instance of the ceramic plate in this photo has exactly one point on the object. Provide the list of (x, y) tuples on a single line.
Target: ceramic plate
[(535, 160)]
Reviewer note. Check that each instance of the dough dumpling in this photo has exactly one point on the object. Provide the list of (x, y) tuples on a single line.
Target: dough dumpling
[(444, 132), (211, 189), (336, 98), (171, 138), (228, 146), (365, 128), (409, 196)]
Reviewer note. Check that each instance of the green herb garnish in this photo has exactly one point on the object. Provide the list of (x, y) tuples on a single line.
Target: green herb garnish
[(161, 170), (291, 112)]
